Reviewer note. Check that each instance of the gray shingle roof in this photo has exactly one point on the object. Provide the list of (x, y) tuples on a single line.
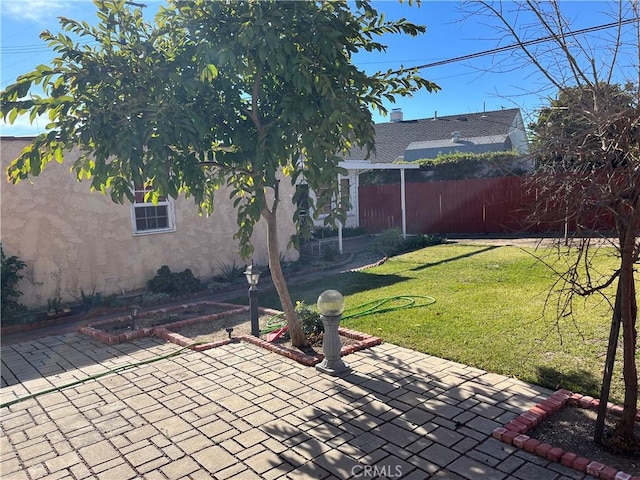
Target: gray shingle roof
[(431, 149), (392, 139)]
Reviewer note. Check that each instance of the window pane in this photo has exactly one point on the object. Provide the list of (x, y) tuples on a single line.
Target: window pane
[(345, 197), (152, 218), (162, 217), (141, 192)]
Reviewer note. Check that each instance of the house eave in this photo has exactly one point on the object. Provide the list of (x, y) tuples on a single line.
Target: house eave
[(366, 165)]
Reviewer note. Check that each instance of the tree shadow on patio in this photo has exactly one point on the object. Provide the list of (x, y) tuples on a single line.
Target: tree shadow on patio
[(381, 415)]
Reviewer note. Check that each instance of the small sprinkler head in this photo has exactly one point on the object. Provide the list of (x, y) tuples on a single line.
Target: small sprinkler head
[(229, 330), (135, 310)]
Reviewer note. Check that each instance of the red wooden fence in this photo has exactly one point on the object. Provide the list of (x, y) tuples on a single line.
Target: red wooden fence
[(477, 206)]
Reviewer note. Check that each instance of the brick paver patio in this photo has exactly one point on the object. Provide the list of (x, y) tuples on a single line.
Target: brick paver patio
[(239, 411)]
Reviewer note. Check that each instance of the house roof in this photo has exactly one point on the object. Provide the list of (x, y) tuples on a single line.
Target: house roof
[(392, 139), (431, 149)]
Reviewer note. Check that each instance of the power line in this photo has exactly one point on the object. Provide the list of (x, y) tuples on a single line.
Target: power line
[(37, 48), (519, 45)]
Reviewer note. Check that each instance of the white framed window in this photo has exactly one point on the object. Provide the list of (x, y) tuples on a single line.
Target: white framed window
[(326, 209), (147, 218), (345, 193)]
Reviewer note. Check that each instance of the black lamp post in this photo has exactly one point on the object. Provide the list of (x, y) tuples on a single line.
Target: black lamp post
[(253, 275)]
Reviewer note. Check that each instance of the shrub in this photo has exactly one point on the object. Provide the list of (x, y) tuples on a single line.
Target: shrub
[(421, 241), (11, 267), (154, 298), (331, 254), (347, 232), (231, 273), (309, 319), (454, 166), (390, 242), (54, 305), (174, 283), (350, 232), (89, 300)]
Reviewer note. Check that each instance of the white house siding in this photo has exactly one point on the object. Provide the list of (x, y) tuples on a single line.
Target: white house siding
[(352, 213), (72, 238), (518, 135), (353, 219)]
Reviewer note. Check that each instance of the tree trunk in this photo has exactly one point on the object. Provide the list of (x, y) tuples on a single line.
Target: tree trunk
[(629, 313), (612, 347), (298, 338)]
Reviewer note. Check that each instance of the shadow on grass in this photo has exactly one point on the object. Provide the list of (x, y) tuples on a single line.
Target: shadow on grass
[(453, 259), (579, 381), (346, 283)]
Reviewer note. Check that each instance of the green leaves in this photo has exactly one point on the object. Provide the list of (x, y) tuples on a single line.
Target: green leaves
[(209, 73), (210, 93)]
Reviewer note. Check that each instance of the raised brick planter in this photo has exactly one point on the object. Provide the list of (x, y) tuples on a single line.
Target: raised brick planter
[(364, 341), (515, 433), (94, 331), (167, 332)]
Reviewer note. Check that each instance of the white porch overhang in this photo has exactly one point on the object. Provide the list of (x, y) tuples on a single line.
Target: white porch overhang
[(365, 165)]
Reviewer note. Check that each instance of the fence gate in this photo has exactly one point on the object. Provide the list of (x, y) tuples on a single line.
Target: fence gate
[(379, 207)]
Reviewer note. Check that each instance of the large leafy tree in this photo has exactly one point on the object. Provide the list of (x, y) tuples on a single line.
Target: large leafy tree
[(587, 143), (243, 94)]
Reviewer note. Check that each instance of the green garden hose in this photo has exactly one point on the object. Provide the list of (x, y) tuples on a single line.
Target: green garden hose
[(376, 306), (97, 375), (272, 324)]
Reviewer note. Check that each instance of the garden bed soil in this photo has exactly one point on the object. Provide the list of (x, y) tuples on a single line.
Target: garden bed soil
[(315, 343), (216, 330), (213, 333), (123, 329), (166, 316), (351, 341), (572, 429), (206, 323), (560, 429)]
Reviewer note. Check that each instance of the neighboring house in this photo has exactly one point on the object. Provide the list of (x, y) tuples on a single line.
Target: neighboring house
[(72, 238), (411, 140)]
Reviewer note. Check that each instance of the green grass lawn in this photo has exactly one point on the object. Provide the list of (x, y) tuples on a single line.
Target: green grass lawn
[(489, 313)]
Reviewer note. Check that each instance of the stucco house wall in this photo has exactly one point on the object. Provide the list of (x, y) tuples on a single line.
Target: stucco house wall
[(72, 238)]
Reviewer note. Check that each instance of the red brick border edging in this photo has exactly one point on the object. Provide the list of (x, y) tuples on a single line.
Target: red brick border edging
[(364, 341), (515, 433), (93, 330), (166, 332)]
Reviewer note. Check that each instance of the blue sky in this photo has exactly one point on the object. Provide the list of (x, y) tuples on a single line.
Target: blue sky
[(489, 82)]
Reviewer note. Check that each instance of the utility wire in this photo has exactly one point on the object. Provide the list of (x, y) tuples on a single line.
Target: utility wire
[(518, 45), (34, 48)]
